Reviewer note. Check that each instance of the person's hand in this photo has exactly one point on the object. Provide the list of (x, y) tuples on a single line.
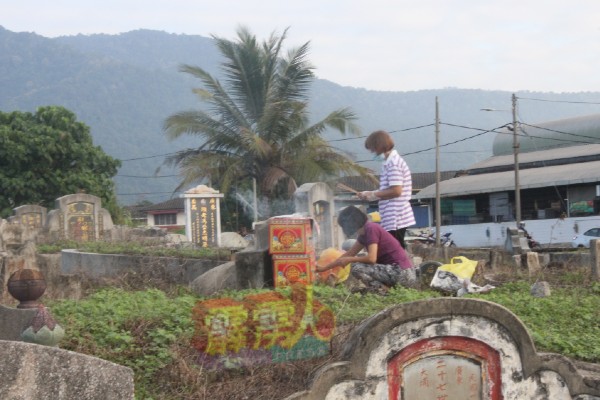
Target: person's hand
[(368, 195), (333, 264), (323, 268)]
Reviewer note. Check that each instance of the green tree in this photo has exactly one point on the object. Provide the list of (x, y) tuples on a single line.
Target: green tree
[(49, 154), (257, 125)]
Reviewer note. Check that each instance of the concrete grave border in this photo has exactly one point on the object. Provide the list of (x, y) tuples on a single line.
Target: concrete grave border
[(368, 336), (31, 371)]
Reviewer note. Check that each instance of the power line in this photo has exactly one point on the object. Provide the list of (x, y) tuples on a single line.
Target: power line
[(394, 131), (459, 140), (556, 131), (139, 176), (558, 101), (143, 158)]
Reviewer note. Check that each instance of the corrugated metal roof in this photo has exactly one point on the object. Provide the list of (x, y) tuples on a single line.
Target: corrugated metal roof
[(553, 154), (551, 134), (172, 204), (419, 181), (528, 179)]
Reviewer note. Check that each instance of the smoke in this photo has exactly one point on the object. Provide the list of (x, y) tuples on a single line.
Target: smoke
[(265, 207)]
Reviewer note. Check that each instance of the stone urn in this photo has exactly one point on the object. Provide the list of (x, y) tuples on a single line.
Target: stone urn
[(27, 286)]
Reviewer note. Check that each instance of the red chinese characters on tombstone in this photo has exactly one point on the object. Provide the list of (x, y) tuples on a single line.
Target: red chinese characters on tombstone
[(445, 368)]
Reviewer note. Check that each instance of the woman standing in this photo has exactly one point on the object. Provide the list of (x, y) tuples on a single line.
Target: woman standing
[(395, 187)]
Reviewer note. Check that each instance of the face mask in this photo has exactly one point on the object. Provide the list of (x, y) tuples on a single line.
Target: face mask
[(378, 157)]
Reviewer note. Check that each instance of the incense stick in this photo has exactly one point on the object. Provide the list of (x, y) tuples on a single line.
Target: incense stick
[(348, 188)]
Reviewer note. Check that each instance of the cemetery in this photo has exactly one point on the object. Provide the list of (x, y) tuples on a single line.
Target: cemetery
[(255, 320)]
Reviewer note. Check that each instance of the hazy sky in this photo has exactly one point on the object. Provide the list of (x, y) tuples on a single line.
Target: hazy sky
[(399, 45)]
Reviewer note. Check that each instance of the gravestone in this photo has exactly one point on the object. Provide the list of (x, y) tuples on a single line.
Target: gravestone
[(31, 371), (315, 200), (449, 348), (516, 242), (203, 216), (79, 217), (32, 216)]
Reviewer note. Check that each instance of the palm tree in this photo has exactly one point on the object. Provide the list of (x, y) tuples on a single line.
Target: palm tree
[(257, 124)]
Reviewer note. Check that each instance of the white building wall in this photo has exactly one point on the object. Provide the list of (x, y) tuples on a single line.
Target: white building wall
[(544, 231)]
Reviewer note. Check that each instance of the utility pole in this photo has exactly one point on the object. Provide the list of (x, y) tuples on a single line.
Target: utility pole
[(516, 155), (438, 202), (254, 200)]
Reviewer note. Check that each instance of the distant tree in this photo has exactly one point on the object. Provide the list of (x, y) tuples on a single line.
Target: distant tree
[(257, 123), (50, 154)]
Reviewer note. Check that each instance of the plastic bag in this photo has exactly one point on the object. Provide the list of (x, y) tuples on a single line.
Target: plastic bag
[(452, 277), (461, 267), (334, 275)]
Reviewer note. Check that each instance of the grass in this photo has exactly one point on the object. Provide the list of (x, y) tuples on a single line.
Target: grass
[(150, 248), (150, 331)]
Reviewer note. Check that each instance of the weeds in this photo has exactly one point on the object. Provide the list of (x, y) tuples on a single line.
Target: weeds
[(150, 331)]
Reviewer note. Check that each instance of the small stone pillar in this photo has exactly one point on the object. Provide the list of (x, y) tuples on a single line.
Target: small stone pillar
[(533, 263), (203, 216), (595, 252)]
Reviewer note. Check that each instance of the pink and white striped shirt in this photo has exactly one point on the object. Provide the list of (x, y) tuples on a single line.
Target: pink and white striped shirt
[(396, 213)]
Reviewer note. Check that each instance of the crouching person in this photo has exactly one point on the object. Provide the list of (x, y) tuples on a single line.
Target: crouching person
[(384, 265)]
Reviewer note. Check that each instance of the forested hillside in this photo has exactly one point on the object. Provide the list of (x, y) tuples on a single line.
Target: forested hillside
[(124, 86)]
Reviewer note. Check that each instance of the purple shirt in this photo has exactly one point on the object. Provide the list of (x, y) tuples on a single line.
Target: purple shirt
[(389, 250)]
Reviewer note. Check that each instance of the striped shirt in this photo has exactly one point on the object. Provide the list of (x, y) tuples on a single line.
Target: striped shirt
[(396, 213)]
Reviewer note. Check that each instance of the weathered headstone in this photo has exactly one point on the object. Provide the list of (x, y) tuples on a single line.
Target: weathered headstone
[(315, 200), (32, 216), (540, 289), (533, 263), (516, 242), (448, 348), (79, 217)]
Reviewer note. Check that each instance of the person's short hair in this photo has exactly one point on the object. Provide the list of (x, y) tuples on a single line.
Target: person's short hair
[(351, 219), (379, 142)]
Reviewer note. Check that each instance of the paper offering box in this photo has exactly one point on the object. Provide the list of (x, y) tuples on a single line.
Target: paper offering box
[(290, 236), (290, 269)]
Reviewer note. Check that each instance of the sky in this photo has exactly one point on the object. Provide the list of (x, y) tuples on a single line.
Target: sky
[(388, 45)]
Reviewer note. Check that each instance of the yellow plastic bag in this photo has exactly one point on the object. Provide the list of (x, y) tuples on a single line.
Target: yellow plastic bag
[(461, 267), (338, 274)]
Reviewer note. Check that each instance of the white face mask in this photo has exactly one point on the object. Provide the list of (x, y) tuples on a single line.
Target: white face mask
[(378, 157)]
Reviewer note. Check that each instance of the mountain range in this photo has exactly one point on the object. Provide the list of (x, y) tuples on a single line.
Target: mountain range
[(124, 87)]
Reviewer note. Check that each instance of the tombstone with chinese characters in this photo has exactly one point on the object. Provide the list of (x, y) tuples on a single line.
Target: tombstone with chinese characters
[(31, 216), (79, 217), (449, 348), (315, 200), (203, 216)]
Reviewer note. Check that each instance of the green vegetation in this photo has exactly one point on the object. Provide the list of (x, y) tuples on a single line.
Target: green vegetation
[(49, 154), (565, 323), (148, 248), (150, 331)]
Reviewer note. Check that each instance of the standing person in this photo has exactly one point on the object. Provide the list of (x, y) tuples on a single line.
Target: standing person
[(385, 264), (395, 187)]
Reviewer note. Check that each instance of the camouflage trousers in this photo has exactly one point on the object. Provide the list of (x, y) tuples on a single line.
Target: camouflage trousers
[(379, 275)]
